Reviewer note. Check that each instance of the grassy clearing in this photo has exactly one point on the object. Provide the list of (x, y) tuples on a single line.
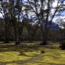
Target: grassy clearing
[(12, 54), (53, 56), (12, 64), (37, 63)]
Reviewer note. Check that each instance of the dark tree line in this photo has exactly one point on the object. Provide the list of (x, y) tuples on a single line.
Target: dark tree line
[(33, 15)]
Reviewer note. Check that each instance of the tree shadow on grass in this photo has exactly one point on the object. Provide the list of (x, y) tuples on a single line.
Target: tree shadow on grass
[(21, 48)]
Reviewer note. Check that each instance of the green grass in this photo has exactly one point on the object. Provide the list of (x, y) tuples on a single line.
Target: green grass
[(11, 54), (54, 56), (12, 64), (37, 63), (51, 57)]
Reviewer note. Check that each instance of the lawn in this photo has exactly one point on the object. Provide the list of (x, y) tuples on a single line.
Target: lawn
[(15, 55)]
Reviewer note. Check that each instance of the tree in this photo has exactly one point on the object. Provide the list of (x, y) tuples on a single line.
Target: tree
[(18, 6), (4, 8), (12, 10), (16, 10), (61, 24), (43, 11), (31, 28)]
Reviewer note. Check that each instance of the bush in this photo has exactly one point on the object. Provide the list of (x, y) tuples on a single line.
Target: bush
[(62, 46)]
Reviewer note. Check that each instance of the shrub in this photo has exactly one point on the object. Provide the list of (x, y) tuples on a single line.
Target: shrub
[(62, 46)]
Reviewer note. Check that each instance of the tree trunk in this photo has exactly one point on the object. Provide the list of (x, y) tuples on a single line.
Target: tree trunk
[(60, 35), (44, 40), (6, 32), (20, 30), (29, 36), (44, 35), (17, 42)]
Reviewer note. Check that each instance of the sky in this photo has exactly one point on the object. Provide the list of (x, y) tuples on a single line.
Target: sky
[(0, 15)]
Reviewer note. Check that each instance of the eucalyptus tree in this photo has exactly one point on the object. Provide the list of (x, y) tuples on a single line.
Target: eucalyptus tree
[(31, 27), (61, 23), (12, 11), (18, 7), (4, 11), (15, 12), (45, 11)]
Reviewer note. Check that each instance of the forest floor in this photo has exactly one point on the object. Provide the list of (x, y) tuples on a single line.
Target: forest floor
[(31, 54)]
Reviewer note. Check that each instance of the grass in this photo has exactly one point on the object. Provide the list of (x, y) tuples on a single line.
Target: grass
[(12, 64), (37, 63), (51, 57), (11, 54), (54, 56)]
